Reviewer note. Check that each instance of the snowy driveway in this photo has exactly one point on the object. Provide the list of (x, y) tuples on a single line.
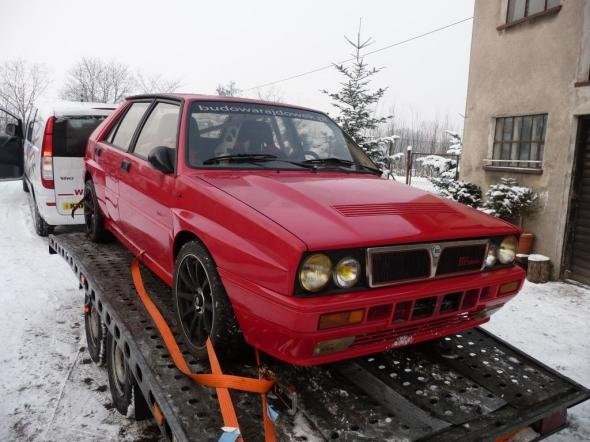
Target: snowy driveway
[(49, 389)]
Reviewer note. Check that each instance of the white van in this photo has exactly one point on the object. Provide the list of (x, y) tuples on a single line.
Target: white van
[(54, 146)]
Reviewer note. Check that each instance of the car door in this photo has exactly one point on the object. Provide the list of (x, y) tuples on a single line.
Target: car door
[(110, 153), (145, 194), (11, 145)]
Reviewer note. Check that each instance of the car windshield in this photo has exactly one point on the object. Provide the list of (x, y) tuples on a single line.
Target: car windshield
[(244, 135)]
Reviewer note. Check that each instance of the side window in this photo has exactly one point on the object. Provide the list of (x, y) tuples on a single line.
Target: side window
[(160, 129), (126, 128)]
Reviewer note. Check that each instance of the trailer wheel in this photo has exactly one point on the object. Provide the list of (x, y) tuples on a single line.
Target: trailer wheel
[(96, 334), (202, 307), (93, 218), (125, 393)]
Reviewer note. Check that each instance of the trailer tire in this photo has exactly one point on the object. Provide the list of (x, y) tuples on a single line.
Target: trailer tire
[(205, 310), (96, 334), (93, 218), (125, 393)]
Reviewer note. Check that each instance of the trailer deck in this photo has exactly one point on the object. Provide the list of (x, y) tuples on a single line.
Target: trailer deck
[(470, 386)]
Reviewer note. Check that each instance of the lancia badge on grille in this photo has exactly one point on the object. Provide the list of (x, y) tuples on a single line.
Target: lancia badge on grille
[(435, 250)]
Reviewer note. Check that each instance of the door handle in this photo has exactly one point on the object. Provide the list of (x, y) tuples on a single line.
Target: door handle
[(98, 151), (125, 165)]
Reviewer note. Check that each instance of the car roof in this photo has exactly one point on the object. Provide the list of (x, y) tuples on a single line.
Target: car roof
[(63, 108), (203, 97)]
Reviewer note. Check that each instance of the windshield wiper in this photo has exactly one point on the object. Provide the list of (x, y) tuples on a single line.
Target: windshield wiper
[(240, 158), (254, 158), (341, 162)]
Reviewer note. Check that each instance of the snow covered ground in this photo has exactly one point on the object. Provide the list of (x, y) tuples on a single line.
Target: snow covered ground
[(419, 182), (50, 390)]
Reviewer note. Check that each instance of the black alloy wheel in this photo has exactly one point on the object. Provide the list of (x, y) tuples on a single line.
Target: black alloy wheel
[(203, 309), (195, 300), (93, 218)]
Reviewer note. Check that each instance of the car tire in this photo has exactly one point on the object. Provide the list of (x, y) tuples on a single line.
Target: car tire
[(25, 185), (202, 307), (96, 333), (93, 218), (125, 393), (41, 226)]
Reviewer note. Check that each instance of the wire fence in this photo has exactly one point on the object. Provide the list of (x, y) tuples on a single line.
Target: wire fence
[(425, 165)]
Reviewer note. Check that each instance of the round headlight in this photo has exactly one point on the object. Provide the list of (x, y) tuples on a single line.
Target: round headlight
[(507, 250), (315, 272), (492, 257), (346, 272)]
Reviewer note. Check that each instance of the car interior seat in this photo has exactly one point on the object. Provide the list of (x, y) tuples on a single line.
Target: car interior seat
[(256, 137)]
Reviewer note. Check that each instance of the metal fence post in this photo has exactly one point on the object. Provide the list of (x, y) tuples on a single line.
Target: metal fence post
[(409, 165)]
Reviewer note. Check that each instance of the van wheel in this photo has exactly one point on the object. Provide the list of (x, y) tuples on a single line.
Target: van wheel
[(202, 307), (93, 218), (41, 226), (25, 185), (125, 393)]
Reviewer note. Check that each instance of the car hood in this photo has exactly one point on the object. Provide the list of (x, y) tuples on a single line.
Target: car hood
[(339, 210)]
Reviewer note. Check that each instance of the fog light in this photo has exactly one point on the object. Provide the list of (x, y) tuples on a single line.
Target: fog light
[(346, 272), (333, 345), (331, 320), (508, 287)]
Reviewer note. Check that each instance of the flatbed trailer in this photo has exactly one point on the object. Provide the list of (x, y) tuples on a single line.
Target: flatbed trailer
[(470, 386)]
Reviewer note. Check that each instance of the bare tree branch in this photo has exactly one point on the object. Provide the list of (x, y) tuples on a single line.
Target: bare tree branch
[(228, 90), (21, 85), (92, 79), (150, 84)]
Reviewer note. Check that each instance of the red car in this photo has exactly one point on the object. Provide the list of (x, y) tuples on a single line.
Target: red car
[(271, 224)]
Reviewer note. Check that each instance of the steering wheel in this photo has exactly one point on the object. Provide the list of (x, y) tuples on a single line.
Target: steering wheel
[(312, 154)]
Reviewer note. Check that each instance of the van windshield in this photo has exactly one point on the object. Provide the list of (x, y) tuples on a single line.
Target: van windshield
[(70, 134), (241, 130)]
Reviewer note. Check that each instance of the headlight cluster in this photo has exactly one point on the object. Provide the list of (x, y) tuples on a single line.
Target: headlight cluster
[(318, 270), (502, 251)]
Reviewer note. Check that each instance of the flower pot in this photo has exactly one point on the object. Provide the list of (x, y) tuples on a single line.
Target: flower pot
[(525, 243)]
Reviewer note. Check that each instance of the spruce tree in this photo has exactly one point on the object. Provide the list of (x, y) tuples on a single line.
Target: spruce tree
[(355, 99)]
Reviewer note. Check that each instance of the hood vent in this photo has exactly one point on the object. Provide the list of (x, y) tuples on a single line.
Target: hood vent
[(351, 210)]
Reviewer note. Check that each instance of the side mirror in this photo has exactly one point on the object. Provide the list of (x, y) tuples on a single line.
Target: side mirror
[(10, 129), (162, 158)]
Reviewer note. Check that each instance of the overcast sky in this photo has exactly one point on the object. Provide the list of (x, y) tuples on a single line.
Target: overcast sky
[(205, 43)]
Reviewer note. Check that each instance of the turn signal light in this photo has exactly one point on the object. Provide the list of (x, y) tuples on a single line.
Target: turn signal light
[(508, 287), (331, 320)]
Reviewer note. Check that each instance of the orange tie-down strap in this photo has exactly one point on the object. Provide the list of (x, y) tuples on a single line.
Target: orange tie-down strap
[(221, 382)]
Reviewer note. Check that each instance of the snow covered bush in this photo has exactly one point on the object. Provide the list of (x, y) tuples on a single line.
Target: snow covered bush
[(435, 165), (456, 145), (508, 200), (460, 191), (378, 150)]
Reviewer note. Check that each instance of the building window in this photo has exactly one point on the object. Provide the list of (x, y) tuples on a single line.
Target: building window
[(519, 9), (519, 141)]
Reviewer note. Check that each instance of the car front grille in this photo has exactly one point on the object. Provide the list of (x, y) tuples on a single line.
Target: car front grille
[(402, 265), (405, 263)]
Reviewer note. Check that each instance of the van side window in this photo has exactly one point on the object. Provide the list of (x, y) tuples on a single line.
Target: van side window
[(126, 128), (160, 129)]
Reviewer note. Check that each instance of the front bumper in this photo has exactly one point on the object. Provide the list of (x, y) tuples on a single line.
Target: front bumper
[(286, 327)]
